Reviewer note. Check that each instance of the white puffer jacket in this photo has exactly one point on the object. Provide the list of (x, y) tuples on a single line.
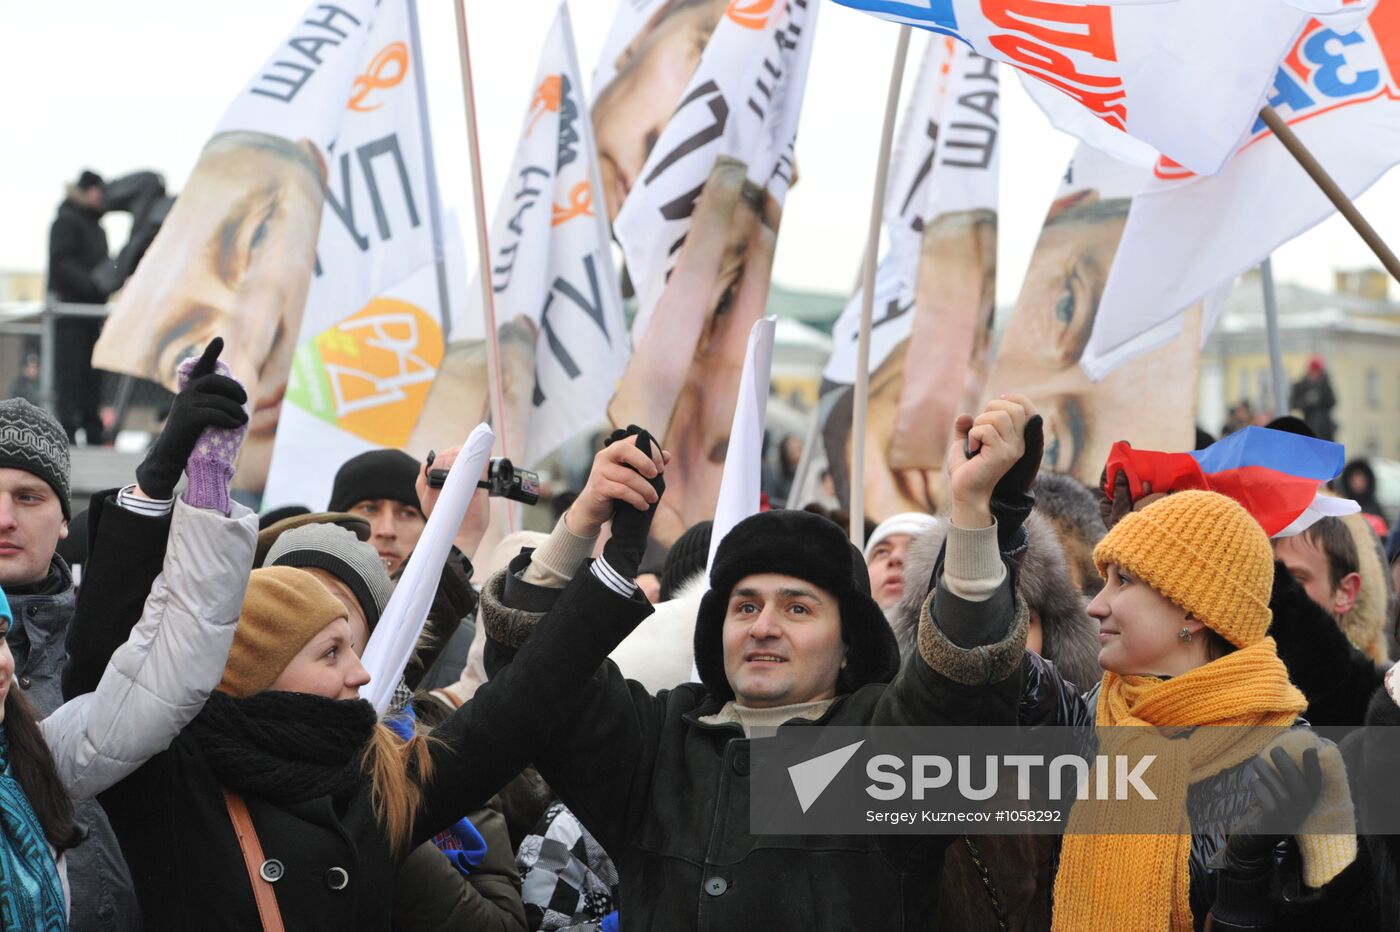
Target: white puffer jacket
[(156, 683)]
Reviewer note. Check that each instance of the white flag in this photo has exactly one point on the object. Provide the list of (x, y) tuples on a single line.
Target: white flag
[(743, 101), (371, 338), (551, 266), (1187, 235), (1183, 77), (394, 638), (740, 487), (945, 163)]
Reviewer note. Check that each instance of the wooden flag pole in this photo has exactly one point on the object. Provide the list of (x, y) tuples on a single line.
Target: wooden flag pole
[(1329, 187), (867, 297), (488, 303)]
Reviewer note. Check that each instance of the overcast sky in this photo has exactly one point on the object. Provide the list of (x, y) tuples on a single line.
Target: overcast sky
[(140, 84)]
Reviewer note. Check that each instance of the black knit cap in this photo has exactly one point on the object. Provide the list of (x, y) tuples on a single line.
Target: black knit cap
[(686, 558), (31, 440), (807, 547), (90, 179), (387, 474)]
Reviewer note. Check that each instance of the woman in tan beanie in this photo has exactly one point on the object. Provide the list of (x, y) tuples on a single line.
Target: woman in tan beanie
[(290, 803), (1183, 631)]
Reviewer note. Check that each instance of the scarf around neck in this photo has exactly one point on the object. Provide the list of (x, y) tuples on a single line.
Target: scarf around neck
[(1142, 882), (31, 895), (285, 747)]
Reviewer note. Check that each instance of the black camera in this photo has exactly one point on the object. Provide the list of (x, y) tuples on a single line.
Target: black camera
[(504, 480)]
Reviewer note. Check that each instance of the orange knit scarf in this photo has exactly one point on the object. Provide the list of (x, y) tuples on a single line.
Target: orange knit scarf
[(1142, 882)]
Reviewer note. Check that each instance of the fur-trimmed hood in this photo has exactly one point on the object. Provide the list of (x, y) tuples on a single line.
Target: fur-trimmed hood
[(1070, 636)]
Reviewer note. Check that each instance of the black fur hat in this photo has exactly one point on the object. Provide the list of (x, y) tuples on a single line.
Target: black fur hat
[(807, 547)]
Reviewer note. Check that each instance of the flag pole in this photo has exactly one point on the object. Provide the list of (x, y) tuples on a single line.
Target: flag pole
[(867, 296), (1276, 372), (488, 304), (425, 127), (1329, 187)]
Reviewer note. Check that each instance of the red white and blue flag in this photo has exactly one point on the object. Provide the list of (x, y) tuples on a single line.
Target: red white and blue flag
[(1277, 476)]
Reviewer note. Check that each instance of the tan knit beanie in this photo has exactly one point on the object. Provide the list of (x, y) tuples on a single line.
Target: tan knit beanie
[(283, 609), (1203, 551)]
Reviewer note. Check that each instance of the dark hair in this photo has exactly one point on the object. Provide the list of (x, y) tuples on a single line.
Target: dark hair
[(1216, 645), (1331, 536), (38, 775)]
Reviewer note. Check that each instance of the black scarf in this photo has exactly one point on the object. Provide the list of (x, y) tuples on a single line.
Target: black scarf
[(286, 747)]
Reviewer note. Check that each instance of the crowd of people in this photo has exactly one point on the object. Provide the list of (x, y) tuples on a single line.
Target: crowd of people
[(183, 743)]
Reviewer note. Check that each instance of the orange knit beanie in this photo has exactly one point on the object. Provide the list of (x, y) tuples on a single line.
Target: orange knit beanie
[(1203, 551)]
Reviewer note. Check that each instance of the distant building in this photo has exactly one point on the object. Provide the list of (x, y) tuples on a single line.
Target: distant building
[(1356, 332), (21, 286)]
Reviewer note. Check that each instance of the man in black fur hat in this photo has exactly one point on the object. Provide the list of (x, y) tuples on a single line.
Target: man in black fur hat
[(788, 634)]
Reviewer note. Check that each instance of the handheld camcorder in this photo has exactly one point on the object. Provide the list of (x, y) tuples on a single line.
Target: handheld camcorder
[(504, 480)]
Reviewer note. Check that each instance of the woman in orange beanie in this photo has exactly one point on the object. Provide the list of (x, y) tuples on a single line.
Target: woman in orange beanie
[(1183, 632)]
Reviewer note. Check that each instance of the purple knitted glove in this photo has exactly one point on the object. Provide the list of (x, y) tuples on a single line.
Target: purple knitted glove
[(211, 462)]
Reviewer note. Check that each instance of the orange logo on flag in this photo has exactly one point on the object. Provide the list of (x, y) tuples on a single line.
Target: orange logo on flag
[(580, 204), (374, 369), (548, 97), (753, 15), (395, 56)]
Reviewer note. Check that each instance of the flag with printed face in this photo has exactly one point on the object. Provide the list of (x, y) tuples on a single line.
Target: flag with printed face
[(301, 238), (1151, 403), (935, 289), (1188, 235), (1131, 77), (695, 115), (559, 322)]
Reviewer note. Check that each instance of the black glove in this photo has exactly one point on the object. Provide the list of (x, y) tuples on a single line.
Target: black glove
[(630, 527), (1012, 499), (1283, 795), (208, 400)]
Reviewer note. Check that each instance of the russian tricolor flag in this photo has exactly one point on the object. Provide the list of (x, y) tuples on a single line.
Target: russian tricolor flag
[(1275, 475)]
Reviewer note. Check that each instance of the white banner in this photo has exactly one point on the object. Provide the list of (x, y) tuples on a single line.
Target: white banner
[(740, 487), (555, 289), (394, 638), (743, 101), (1188, 235), (945, 163), (1183, 77)]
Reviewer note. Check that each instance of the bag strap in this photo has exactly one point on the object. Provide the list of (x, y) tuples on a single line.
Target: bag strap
[(253, 860)]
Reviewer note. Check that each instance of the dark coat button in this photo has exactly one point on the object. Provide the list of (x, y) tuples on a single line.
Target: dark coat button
[(24, 682), (337, 878), (741, 764), (271, 870), (716, 886), (31, 610)]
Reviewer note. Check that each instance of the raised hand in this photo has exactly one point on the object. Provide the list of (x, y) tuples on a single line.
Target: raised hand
[(209, 399), (989, 449), (621, 474), (478, 516)]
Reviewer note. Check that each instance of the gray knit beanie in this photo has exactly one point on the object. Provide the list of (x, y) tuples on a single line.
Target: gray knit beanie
[(31, 440), (342, 554)]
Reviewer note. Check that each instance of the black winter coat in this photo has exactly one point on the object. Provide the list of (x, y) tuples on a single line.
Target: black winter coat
[(667, 794), (1337, 679), (77, 246)]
